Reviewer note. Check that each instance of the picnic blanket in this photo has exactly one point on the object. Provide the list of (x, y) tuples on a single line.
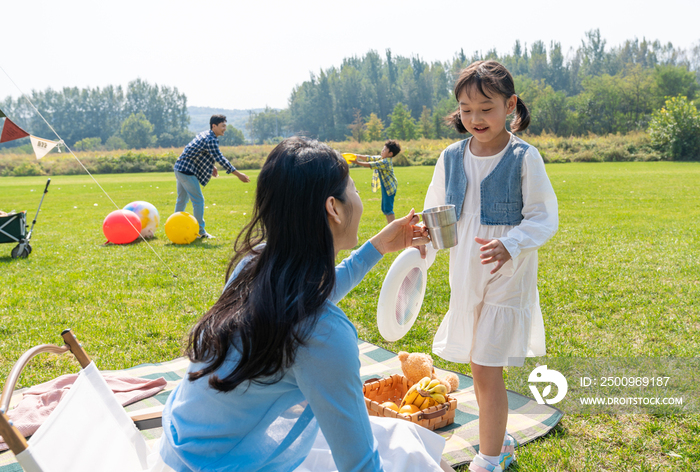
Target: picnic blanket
[(527, 420)]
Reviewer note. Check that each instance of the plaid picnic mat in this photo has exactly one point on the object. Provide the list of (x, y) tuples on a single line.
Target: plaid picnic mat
[(527, 420)]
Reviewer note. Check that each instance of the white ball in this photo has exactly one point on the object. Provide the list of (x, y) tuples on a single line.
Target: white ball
[(148, 214)]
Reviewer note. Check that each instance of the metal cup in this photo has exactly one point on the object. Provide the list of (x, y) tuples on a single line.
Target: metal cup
[(441, 222)]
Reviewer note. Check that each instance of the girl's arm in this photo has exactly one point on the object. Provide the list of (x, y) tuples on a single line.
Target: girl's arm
[(540, 210)]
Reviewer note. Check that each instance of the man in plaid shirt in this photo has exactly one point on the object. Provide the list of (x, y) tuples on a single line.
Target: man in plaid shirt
[(383, 175), (195, 166)]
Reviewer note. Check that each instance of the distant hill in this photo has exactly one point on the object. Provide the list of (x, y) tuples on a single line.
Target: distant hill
[(199, 118)]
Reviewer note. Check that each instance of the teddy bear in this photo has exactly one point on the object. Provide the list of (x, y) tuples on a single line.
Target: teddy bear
[(416, 366)]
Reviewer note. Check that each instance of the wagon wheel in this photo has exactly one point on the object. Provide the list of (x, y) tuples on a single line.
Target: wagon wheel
[(21, 253)]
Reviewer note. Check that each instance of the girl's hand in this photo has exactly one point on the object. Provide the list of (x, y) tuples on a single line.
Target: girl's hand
[(493, 251), (400, 234)]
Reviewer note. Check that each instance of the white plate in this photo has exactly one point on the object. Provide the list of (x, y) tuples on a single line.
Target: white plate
[(402, 295)]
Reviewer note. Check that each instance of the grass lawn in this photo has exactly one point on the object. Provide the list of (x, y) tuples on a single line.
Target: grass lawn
[(620, 278)]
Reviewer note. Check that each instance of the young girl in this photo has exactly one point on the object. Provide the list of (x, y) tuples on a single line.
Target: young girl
[(506, 209), (275, 360)]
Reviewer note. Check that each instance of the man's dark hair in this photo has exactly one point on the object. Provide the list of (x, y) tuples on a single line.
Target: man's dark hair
[(393, 147), (216, 119)]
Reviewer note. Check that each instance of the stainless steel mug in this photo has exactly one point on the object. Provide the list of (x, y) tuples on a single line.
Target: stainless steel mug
[(441, 222)]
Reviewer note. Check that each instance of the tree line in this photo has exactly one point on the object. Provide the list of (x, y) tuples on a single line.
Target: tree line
[(141, 116), (592, 89)]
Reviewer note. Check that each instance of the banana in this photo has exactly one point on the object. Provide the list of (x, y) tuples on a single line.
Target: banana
[(418, 399), (426, 403), (410, 397), (425, 393), (407, 395), (438, 398), (414, 387)]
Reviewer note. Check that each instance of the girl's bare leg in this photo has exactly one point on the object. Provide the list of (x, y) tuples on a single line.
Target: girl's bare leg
[(492, 398)]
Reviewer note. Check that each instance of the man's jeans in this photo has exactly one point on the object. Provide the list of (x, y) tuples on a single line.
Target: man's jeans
[(188, 188)]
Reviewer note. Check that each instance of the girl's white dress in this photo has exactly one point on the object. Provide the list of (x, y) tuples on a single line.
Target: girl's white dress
[(495, 320)]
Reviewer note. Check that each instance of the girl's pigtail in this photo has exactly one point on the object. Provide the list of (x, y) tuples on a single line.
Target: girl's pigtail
[(454, 120), (522, 117)]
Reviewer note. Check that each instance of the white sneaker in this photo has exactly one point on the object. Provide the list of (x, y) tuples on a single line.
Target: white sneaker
[(205, 236), (480, 464)]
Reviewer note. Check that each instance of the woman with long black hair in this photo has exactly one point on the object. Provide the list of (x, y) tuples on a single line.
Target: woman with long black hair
[(275, 360)]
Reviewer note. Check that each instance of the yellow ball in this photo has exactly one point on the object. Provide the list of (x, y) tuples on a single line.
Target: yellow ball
[(181, 228)]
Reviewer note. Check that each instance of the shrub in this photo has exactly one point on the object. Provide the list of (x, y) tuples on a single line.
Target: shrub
[(166, 140), (88, 144), (636, 146), (675, 129), (616, 153), (401, 160), (586, 155), (163, 166), (27, 169), (114, 143)]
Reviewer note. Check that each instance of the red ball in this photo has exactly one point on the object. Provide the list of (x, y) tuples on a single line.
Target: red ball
[(121, 227)]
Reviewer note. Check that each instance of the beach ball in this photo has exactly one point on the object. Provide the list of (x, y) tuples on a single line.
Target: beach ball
[(121, 227), (149, 217), (181, 228)]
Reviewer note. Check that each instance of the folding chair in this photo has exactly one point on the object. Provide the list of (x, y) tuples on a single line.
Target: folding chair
[(88, 431)]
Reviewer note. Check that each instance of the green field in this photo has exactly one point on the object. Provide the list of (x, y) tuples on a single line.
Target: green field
[(620, 278)]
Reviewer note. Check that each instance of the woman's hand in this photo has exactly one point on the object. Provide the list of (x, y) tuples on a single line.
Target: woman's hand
[(492, 251), (400, 234)]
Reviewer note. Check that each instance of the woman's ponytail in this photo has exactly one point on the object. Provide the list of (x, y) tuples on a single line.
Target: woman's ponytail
[(522, 117)]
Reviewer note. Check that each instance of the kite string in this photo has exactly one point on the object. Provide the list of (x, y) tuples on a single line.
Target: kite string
[(26, 97)]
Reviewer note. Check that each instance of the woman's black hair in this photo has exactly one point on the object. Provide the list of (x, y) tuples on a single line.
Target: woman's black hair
[(269, 310), (489, 77)]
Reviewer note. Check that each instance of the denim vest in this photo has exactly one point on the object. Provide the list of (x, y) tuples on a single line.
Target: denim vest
[(501, 190)]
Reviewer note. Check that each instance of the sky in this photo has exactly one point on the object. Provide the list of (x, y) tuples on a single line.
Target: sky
[(251, 54)]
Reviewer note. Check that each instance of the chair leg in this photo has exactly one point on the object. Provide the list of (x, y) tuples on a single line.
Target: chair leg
[(11, 435)]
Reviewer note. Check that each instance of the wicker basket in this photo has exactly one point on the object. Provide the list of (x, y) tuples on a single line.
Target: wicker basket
[(393, 389)]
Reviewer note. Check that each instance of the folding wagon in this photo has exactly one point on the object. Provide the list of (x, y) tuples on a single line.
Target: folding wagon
[(13, 229)]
